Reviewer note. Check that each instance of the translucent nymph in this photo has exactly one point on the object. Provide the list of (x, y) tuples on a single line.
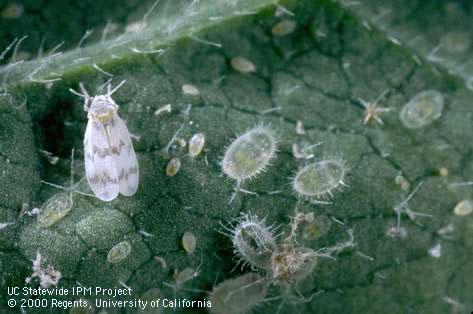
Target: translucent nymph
[(196, 144), (320, 179), (464, 208), (249, 154), (242, 65), (238, 295), (283, 28), (173, 167), (119, 252), (422, 110), (189, 242), (55, 208)]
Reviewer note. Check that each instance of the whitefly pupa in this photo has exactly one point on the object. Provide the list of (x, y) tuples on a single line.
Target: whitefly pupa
[(243, 65), (196, 144), (284, 28), (173, 167), (463, 208), (238, 295), (189, 242), (119, 252), (422, 109), (320, 179), (54, 209), (188, 89), (249, 155)]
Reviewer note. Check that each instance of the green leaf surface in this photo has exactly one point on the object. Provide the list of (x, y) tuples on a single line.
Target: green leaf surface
[(316, 74)]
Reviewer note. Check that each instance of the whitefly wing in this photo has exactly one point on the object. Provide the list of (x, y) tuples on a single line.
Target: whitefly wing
[(124, 156), (99, 164)]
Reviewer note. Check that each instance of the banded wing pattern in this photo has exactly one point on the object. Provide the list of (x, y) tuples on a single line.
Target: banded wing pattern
[(124, 157), (99, 163)]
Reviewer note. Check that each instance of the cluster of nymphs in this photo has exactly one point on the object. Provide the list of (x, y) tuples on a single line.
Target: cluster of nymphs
[(280, 262), (251, 153)]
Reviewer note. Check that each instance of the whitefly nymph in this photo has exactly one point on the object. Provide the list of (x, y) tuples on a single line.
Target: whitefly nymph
[(249, 154), (320, 179), (253, 241), (238, 295), (422, 109), (119, 252), (55, 208), (110, 161)]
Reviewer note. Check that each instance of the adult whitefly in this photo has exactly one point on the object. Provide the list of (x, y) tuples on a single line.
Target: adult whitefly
[(119, 252), (110, 161), (238, 295), (422, 109), (54, 209), (320, 179)]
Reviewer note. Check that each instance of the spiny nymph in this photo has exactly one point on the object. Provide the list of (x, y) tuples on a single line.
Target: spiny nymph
[(249, 154), (253, 241)]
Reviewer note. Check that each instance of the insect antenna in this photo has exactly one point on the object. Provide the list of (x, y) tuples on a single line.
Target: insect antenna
[(84, 94), (110, 92)]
